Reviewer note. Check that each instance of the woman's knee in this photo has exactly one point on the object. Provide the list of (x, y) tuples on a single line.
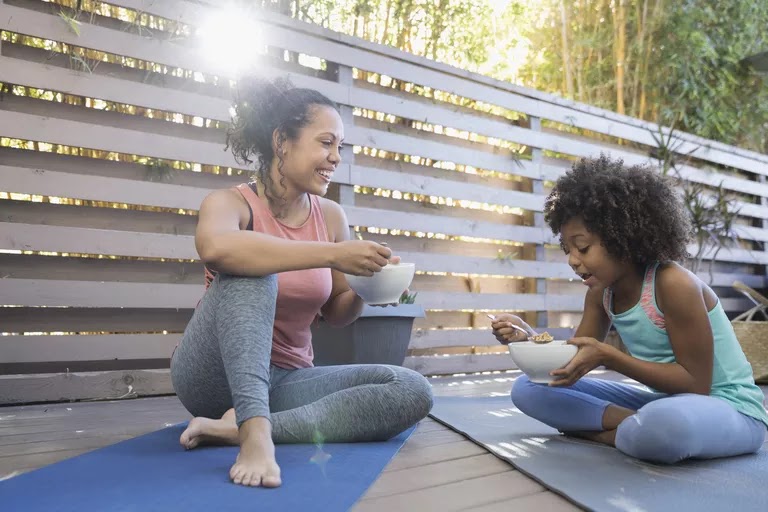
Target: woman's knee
[(657, 433), (418, 391)]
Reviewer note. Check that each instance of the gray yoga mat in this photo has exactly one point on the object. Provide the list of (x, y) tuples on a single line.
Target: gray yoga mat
[(601, 478)]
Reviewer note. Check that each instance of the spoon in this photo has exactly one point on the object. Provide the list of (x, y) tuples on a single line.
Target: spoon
[(513, 325)]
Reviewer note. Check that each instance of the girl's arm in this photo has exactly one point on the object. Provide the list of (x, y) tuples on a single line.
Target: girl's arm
[(344, 306), (594, 322), (679, 295), (225, 246)]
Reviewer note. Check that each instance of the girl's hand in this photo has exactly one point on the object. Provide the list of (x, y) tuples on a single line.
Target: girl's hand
[(589, 356), (505, 333)]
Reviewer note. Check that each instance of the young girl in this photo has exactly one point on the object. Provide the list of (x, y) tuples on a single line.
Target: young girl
[(623, 230), (275, 253)]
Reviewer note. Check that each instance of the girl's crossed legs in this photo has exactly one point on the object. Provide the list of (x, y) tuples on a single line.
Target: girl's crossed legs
[(643, 424)]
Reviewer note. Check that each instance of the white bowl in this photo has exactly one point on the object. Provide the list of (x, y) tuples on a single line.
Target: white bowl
[(384, 287), (536, 360)]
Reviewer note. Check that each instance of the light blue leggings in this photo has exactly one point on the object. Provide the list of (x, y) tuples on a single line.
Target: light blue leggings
[(666, 428)]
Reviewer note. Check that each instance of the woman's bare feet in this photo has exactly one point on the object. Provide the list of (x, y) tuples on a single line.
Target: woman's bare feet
[(255, 464), (202, 431)]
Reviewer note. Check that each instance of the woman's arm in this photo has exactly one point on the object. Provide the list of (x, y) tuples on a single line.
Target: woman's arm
[(344, 306), (680, 297), (225, 246)]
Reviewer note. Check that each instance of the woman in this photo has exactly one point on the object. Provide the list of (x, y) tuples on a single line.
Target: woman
[(274, 252)]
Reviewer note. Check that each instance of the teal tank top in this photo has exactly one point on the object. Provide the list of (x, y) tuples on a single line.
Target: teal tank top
[(643, 332)]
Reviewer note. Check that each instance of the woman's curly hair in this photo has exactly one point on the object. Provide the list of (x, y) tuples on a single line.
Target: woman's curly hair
[(261, 107), (634, 210)]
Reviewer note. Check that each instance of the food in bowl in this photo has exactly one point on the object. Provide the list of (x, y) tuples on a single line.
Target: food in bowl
[(544, 337), (537, 360), (384, 287)]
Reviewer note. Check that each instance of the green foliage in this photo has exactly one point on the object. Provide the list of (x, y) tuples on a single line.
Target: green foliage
[(712, 212), (661, 60)]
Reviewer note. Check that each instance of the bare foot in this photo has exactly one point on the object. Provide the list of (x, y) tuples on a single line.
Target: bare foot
[(256, 465), (203, 431)]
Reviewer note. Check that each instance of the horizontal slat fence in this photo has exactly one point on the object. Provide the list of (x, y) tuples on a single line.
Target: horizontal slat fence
[(113, 129)]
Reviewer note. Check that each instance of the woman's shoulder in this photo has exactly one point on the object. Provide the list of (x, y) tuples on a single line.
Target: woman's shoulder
[(335, 218), (329, 206), (223, 200)]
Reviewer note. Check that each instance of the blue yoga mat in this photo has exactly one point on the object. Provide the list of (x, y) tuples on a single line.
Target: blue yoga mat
[(601, 478), (154, 473)]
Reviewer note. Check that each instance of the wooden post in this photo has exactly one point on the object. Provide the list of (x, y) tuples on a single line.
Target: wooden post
[(764, 224), (542, 318), (347, 192)]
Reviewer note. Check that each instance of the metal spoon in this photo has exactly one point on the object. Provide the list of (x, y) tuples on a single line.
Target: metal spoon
[(513, 325)]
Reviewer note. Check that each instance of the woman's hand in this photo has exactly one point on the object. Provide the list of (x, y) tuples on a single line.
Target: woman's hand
[(589, 356), (360, 257), (394, 260), (505, 333)]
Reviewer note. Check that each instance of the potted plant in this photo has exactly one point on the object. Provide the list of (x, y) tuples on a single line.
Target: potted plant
[(380, 336)]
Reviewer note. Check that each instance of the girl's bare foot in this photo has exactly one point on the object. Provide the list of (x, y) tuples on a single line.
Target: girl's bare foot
[(202, 431), (256, 465)]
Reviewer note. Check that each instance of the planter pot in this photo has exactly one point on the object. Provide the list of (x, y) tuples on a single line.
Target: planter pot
[(379, 336)]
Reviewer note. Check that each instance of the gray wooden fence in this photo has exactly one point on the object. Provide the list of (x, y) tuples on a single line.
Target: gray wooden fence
[(112, 131)]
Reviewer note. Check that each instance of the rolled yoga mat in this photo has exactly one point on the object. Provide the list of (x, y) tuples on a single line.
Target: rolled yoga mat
[(599, 477), (154, 473)]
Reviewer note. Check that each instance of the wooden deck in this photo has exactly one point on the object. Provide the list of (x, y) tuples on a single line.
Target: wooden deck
[(437, 469)]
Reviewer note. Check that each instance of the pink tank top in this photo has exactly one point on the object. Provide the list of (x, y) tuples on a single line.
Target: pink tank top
[(300, 293)]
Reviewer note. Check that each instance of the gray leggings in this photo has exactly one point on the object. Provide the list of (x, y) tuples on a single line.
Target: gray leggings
[(223, 361)]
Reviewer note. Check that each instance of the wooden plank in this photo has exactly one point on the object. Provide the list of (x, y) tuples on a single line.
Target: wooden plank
[(92, 85), (79, 186), (16, 389), (57, 293), (456, 495), (94, 320), (36, 349), (32, 266), (33, 237), (96, 294), (412, 458), (71, 164), (107, 138), (451, 365), (371, 217), (428, 425), (98, 217), (540, 502), (416, 184), (440, 473), (425, 440), (96, 188), (481, 337), (501, 302), (99, 294), (41, 447), (47, 26)]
